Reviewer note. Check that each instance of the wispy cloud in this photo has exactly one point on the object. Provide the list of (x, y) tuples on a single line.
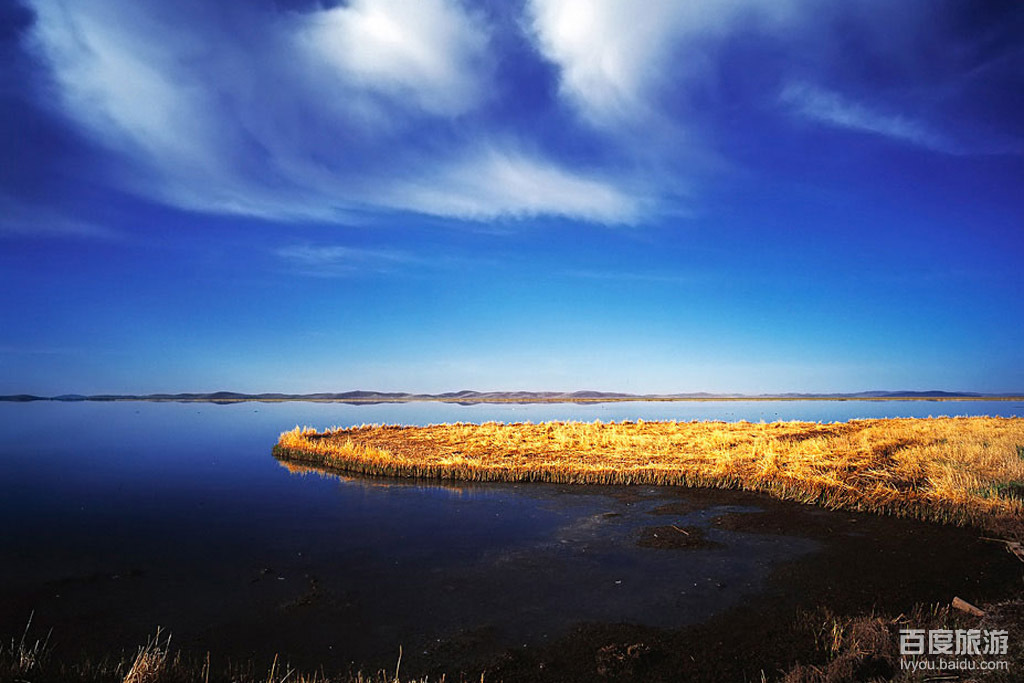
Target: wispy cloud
[(832, 109), (316, 115), (634, 276), (600, 111), (614, 56), (20, 219), (494, 183), (343, 261)]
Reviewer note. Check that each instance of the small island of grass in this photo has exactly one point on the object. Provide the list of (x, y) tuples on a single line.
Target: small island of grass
[(966, 470)]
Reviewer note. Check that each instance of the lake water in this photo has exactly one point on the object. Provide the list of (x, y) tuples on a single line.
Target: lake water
[(121, 517)]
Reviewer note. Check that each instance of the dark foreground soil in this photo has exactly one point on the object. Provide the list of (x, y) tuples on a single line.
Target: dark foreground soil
[(902, 572), (830, 615)]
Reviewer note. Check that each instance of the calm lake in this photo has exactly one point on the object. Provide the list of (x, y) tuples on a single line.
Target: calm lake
[(117, 518)]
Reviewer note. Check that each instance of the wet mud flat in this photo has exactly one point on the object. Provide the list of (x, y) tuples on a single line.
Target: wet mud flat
[(523, 582), (865, 565)]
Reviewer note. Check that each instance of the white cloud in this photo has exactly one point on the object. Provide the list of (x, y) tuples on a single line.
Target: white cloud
[(135, 82), (830, 108), (121, 83), (615, 54), (310, 116), (502, 183), (429, 50)]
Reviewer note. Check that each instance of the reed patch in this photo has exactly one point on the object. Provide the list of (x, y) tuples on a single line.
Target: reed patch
[(960, 469)]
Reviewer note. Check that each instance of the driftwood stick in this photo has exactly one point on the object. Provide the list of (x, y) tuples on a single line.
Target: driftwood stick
[(965, 606)]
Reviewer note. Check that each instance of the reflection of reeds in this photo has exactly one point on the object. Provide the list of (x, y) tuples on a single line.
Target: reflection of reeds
[(947, 469), (451, 488)]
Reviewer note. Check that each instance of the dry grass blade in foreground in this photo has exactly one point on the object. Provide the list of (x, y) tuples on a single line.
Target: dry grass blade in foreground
[(962, 469), (150, 662)]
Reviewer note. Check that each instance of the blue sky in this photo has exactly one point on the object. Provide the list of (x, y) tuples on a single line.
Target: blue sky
[(302, 195)]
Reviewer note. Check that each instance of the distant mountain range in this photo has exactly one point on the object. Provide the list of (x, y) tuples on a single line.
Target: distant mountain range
[(507, 397)]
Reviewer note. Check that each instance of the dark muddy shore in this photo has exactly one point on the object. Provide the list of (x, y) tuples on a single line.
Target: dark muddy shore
[(865, 565), (629, 583)]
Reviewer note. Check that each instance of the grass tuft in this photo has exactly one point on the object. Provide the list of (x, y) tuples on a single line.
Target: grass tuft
[(150, 662), (26, 661), (26, 656)]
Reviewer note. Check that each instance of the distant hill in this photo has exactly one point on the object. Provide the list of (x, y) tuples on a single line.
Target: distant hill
[(892, 394), (469, 396)]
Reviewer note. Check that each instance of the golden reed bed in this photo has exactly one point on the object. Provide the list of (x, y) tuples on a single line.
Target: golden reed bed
[(962, 469)]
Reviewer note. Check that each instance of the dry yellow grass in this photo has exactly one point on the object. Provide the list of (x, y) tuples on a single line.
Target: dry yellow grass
[(963, 469), (150, 663)]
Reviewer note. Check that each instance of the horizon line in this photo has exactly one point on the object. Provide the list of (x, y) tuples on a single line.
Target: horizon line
[(469, 395)]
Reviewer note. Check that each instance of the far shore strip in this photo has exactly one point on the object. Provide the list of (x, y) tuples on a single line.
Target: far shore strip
[(959, 469)]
